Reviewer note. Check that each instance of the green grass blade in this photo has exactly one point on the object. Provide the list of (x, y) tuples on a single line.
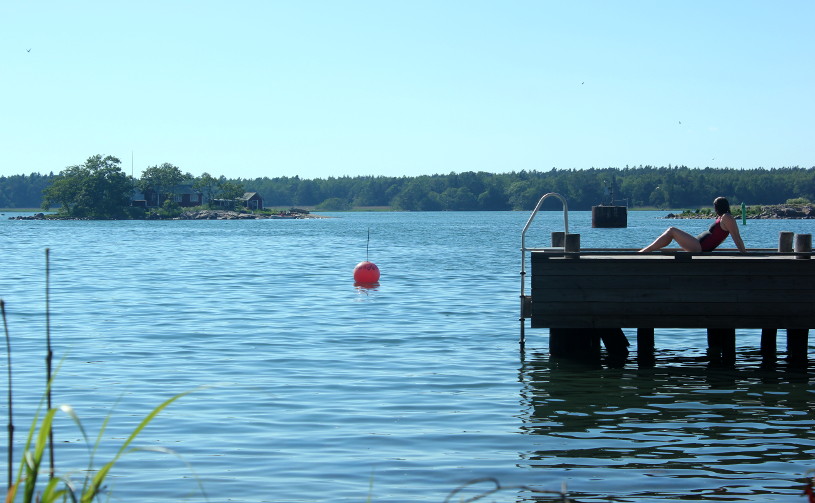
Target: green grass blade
[(33, 459), (99, 477), (51, 493)]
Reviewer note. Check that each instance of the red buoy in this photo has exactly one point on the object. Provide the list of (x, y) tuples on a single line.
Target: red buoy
[(366, 272)]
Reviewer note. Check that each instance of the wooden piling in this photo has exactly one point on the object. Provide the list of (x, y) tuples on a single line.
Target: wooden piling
[(572, 243), (645, 347), (785, 241), (797, 342), (615, 342), (803, 243), (721, 344), (581, 344), (769, 346)]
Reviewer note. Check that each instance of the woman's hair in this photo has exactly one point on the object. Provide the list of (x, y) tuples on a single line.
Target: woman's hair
[(721, 206)]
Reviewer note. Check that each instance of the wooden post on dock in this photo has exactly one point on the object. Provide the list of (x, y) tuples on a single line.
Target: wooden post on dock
[(785, 241), (569, 242), (803, 243), (572, 243)]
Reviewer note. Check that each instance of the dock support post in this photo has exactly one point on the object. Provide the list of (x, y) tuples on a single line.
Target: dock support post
[(768, 347), (797, 341), (576, 343), (645, 347), (721, 346), (616, 344)]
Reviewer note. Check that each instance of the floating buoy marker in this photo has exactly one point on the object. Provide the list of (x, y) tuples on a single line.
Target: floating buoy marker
[(366, 272)]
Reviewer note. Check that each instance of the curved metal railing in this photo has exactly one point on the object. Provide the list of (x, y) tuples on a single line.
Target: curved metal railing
[(524, 249)]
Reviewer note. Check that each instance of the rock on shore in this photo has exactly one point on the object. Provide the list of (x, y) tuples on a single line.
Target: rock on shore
[(200, 215), (234, 215), (777, 211)]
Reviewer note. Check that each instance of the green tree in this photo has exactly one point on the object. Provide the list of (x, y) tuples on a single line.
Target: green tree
[(161, 180), (230, 191), (334, 204), (207, 185), (97, 189)]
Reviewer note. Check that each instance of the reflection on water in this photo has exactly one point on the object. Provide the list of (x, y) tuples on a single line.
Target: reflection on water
[(366, 286), (678, 430), (365, 291)]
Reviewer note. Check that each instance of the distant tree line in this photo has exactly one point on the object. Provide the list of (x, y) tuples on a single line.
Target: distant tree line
[(640, 186), (23, 191)]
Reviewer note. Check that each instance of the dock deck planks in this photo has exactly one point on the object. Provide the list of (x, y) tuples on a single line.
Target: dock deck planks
[(591, 289)]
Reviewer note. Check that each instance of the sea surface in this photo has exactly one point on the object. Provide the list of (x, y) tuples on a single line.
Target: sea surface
[(309, 388)]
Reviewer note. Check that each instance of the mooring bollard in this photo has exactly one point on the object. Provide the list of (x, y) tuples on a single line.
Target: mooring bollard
[(803, 243), (572, 243), (785, 241), (558, 238)]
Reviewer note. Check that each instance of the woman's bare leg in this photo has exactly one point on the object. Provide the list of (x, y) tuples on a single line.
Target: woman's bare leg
[(682, 238)]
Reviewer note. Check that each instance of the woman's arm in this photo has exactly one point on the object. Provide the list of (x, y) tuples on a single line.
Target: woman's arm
[(729, 224)]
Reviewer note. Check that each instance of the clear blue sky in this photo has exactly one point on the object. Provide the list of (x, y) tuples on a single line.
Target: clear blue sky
[(248, 88)]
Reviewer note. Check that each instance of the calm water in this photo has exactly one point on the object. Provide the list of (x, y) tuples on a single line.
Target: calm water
[(319, 390)]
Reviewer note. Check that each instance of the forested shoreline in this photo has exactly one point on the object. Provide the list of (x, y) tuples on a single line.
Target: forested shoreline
[(636, 187)]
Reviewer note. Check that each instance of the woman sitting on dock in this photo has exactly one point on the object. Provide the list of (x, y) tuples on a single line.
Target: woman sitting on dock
[(707, 241)]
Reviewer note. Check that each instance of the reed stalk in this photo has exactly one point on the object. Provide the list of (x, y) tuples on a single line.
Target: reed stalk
[(49, 357), (10, 397)]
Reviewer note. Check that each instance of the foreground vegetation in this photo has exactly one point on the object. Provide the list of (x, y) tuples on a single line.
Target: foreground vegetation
[(99, 188), (37, 479)]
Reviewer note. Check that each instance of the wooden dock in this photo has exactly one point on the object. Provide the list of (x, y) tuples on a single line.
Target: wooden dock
[(590, 295), (585, 297)]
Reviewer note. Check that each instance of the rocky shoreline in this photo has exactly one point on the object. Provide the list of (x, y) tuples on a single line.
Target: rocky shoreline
[(768, 212), (234, 215)]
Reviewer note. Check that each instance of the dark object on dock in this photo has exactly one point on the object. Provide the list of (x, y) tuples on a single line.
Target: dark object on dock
[(609, 216), (785, 241), (803, 243), (569, 242)]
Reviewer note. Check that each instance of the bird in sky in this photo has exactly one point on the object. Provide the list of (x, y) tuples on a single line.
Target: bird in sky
[(28, 50)]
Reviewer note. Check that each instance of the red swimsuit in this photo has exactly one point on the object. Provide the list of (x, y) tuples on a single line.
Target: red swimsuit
[(712, 237)]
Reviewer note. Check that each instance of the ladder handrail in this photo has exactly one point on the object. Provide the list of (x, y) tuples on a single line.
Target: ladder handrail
[(529, 222)]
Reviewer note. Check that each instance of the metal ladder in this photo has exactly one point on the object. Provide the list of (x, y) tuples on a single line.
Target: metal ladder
[(524, 249)]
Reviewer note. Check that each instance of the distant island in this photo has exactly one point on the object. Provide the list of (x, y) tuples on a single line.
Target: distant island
[(762, 212), (199, 214), (100, 189)]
